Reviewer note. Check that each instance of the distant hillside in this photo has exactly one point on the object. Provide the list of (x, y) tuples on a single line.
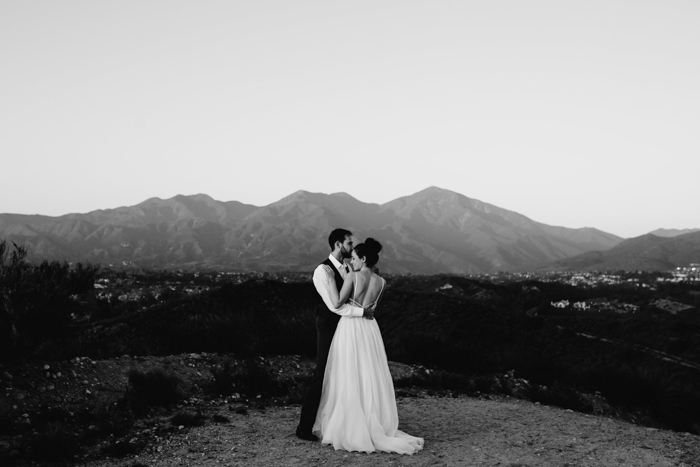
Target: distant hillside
[(672, 232), (645, 253), (429, 232)]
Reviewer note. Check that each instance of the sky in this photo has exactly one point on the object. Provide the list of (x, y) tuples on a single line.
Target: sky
[(572, 113)]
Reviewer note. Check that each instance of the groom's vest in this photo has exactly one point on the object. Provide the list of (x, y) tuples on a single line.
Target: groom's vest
[(323, 310)]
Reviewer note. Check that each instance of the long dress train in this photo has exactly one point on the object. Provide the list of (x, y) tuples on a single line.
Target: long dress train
[(358, 407)]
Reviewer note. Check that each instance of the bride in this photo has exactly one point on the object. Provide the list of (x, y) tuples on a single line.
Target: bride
[(358, 407)]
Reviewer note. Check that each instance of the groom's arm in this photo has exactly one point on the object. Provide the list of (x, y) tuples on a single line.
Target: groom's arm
[(324, 279)]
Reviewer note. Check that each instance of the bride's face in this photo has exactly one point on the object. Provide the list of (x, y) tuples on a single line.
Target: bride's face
[(355, 261)]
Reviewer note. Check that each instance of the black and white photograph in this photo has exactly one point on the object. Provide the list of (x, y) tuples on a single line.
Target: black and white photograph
[(370, 233)]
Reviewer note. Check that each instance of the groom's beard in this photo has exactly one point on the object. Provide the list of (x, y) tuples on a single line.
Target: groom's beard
[(345, 253)]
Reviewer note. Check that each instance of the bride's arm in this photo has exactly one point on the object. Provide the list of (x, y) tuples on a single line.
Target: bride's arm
[(340, 298)]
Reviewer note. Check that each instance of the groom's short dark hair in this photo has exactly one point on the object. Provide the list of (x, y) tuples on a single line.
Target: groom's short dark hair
[(338, 235)]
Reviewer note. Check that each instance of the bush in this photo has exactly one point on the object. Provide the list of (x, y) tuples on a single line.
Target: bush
[(56, 443), (250, 377), (36, 300), (108, 419), (188, 419), (152, 388), (561, 396), (296, 388), (121, 448), (669, 394)]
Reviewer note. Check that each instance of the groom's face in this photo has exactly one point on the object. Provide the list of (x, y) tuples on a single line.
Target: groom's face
[(346, 247)]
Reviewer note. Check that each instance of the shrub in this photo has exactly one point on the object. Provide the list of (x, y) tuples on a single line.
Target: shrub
[(188, 419), (670, 395), (152, 388), (296, 388), (36, 299), (250, 377), (218, 418), (7, 424), (108, 419), (56, 443), (561, 396), (121, 448)]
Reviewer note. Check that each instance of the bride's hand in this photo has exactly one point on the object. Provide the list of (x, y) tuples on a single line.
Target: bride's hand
[(368, 314)]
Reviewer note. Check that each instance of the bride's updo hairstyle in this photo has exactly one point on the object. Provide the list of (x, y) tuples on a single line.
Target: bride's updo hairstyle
[(370, 251)]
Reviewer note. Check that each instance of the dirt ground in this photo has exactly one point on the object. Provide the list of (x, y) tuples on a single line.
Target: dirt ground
[(458, 431)]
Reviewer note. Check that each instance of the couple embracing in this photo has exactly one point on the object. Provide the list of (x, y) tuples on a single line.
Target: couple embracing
[(350, 401)]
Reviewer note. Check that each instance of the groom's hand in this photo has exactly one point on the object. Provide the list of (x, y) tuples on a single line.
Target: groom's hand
[(368, 314)]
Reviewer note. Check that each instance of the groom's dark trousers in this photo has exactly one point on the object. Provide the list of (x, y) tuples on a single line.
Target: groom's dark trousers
[(326, 322)]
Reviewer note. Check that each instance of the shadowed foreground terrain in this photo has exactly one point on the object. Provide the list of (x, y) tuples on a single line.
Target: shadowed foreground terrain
[(98, 364), (246, 430)]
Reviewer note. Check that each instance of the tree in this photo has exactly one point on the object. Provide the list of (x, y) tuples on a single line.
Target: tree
[(36, 300), (12, 272)]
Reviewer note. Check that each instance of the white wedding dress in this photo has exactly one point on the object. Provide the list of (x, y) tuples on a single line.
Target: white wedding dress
[(358, 407)]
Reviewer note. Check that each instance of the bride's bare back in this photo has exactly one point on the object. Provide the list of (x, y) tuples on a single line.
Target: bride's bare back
[(368, 288), (365, 287)]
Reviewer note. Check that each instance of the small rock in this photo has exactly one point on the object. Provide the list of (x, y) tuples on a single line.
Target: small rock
[(51, 387), (73, 374), (48, 374), (46, 367), (19, 396), (58, 375), (87, 391), (41, 389)]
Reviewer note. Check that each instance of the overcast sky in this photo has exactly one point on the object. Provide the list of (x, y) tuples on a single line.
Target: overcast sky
[(573, 113)]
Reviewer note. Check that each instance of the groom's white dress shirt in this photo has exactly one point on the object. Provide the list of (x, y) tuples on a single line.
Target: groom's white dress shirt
[(324, 279)]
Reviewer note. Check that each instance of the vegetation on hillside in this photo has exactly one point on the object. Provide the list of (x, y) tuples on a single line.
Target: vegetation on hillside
[(463, 329)]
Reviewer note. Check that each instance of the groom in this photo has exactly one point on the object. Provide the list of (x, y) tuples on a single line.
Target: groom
[(329, 273)]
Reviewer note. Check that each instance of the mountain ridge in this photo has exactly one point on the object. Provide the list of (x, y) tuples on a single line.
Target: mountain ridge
[(431, 231), (644, 253)]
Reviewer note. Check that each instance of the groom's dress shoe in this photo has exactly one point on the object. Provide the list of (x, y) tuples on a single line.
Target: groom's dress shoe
[(306, 435)]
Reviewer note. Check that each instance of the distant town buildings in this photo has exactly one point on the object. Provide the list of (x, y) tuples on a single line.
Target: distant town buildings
[(686, 274)]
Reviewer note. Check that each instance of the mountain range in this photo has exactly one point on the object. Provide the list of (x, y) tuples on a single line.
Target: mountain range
[(432, 231), (648, 252)]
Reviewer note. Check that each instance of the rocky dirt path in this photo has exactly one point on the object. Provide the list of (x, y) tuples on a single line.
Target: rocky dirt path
[(458, 431)]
